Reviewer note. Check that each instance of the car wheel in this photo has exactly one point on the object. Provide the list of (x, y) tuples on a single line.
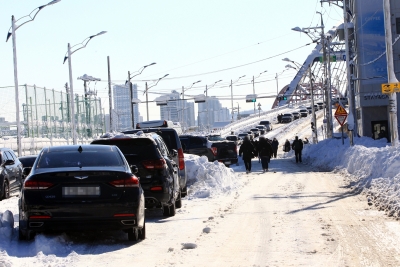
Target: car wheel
[(6, 190), (25, 234), (169, 211), (184, 191), (142, 234), (178, 202), (133, 234)]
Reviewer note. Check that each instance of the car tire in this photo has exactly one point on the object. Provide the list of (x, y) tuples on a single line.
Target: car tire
[(178, 202), (184, 192), (26, 234), (6, 190), (169, 211), (133, 234), (142, 232)]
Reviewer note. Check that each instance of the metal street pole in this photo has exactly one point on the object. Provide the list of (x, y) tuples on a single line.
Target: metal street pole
[(147, 102), (131, 97), (71, 93), (254, 93), (109, 92), (315, 130), (391, 75), (232, 101)]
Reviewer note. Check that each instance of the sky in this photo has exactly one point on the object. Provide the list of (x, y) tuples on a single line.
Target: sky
[(191, 41)]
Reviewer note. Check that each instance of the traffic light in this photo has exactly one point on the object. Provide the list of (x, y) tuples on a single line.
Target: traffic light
[(284, 97)]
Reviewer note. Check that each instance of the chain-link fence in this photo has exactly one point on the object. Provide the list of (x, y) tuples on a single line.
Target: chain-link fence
[(45, 113)]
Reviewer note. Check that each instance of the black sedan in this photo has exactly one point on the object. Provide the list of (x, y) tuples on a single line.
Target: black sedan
[(81, 188)]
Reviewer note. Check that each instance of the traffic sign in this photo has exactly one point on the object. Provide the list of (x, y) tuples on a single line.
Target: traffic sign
[(389, 88), (340, 111), (341, 119)]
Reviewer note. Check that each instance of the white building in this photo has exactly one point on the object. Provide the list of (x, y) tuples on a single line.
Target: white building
[(215, 113), (122, 117), (177, 110)]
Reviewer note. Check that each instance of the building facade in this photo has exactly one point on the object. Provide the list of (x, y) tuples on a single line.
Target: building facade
[(122, 117), (177, 110), (210, 112)]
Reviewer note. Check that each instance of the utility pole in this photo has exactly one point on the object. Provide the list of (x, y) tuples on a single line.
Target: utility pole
[(254, 93), (391, 75), (314, 120), (130, 99), (109, 91), (147, 102), (232, 100)]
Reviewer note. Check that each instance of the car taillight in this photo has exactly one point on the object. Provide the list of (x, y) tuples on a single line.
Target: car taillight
[(40, 217), (154, 164), (124, 215), (38, 185), (181, 159), (214, 151), (133, 181), (156, 188)]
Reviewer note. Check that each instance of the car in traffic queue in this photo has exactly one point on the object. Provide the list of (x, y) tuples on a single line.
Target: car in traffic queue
[(267, 124), (171, 139), (262, 129), (303, 113), (287, 117), (256, 132), (27, 161), (234, 138), (296, 115), (81, 188), (156, 168), (11, 177)]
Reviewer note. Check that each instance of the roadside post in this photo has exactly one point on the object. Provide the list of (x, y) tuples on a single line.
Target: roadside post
[(341, 116)]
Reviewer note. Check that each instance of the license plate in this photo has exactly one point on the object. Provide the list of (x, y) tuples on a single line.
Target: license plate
[(227, 162), (74, 191)]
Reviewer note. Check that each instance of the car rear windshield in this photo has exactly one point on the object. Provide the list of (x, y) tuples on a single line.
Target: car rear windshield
[(28, 161), (216, 138), (74, 158), (169, 136), (134, 149)]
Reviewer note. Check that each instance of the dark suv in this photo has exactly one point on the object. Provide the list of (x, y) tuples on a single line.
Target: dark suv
[(157, 171), (10, 173), (171, 139)]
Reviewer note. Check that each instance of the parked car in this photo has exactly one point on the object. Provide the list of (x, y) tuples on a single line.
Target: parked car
[(10, 173), (234, 138), (288, 117), (303, 113), (296, 115), (262, 129), (251, 135), (81, 188), (255, 131), (157, 171), (214, 147), (171, 139), (267, 124), (309, 109), (27, 162)]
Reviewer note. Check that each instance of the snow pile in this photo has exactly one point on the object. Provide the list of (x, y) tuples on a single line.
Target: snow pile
[(208, 179), (6, 226), (373, 167)]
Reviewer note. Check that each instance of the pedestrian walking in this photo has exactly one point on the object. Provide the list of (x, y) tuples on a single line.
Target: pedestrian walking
[(265, 152), (297, 146), (275, 145), (248, 152), (286, 147)]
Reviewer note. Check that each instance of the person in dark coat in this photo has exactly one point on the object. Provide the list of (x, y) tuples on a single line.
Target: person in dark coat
[(287, 145), (265, 152), (248, 151), (297, 146), (255, 144), (275, 145)]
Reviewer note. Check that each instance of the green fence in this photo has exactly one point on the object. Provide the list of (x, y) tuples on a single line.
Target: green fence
[(46, 113)]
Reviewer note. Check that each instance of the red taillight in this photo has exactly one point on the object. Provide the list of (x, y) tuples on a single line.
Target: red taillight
[(124, 215), (156, 188), (39, 185), (133, 181), (41, 217), (154, 164), (214, 151), (181, 159)]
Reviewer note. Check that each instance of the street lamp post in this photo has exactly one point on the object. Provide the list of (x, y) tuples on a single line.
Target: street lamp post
[(71, 87), (183, 98), (254, 92), (131, 90), (232, 92), (13, 28), (147, 94)]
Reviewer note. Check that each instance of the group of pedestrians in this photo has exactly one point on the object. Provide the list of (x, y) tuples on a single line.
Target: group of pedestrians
[(264, 149)]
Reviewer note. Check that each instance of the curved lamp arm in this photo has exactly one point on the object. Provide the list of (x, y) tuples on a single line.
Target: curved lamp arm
[(83, 43)]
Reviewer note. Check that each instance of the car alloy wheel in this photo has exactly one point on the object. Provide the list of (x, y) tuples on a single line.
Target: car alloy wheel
[(6, 190)]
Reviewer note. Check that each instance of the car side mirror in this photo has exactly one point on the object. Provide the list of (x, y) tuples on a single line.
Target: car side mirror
[(26, 171), (134, 169), (8, 162), (174, 153)]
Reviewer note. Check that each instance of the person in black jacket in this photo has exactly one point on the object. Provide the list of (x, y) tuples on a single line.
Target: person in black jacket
[(297, 146), (275, 145), (248, 151), (265, 152)]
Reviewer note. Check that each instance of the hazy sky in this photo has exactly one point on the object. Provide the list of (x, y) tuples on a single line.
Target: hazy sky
[(207, 40)]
